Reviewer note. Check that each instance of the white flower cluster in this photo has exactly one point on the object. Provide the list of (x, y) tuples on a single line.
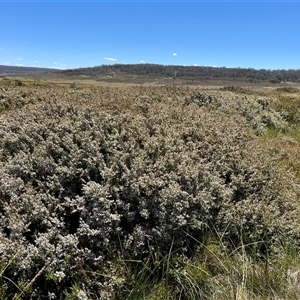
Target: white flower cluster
[(86, 174)]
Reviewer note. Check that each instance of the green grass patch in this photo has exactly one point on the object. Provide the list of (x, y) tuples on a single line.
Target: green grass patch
[(272, 132), (287, 89), (236, 89), (289, 108)]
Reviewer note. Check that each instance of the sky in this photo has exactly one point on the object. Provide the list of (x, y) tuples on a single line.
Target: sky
[(72, 34)]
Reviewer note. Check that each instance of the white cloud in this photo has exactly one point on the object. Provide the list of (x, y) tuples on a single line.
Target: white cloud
[(142, 62), (174, 54), (110, 58), (63, 65), (36, 61), (55, 63), (19, 65), (19, 58), (6, 63)]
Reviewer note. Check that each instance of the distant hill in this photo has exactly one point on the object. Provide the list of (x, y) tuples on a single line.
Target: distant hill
[(12, 70), (167, 71), (199, 72)]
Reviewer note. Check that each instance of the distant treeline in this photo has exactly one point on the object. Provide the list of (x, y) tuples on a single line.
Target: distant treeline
[(10, 70), (199, 72), (193, 72)]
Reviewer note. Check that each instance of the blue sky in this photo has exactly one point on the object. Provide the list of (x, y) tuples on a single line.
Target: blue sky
[(71, 34)]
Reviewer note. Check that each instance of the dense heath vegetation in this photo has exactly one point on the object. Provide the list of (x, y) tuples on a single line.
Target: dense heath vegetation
[(149, 193)]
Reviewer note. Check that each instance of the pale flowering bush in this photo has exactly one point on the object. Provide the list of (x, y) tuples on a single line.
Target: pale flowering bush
[(87, 174), (255, 109)]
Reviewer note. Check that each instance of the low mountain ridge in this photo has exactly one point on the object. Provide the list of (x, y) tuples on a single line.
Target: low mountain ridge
[(12, 70), (199, 72)]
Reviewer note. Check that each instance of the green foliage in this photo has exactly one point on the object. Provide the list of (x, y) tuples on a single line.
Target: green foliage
[(2, 108), (18, 83), (287, 89), (235, 89), (272, 132), (288, 106), (73, 85)]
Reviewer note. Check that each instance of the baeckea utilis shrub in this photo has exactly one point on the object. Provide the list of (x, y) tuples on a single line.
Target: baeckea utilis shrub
[(88, 174)]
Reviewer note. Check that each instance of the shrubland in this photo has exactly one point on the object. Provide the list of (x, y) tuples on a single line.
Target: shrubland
[(147, 193)]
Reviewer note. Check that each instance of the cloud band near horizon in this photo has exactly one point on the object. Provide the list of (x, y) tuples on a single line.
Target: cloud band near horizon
[(110, 58)]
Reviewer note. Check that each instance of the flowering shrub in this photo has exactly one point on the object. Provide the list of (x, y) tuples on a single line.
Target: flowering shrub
[(89, 173)]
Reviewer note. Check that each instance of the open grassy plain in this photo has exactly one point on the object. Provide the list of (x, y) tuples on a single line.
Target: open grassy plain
[(148, 189)]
